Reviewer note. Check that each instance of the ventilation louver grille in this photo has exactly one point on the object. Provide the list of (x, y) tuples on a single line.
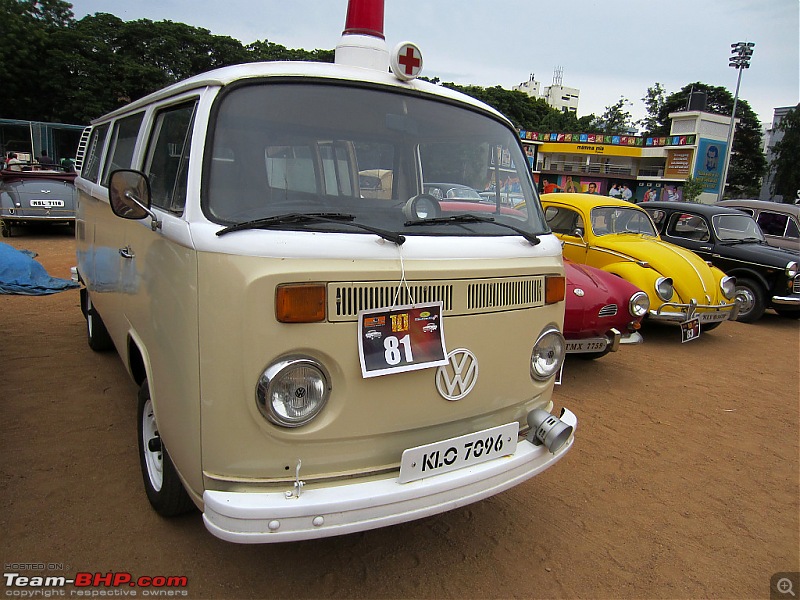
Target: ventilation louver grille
[(609, 310), (458, 297)]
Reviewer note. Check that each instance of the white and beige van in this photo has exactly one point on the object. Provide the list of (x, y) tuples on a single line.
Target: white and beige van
[(323, 348)]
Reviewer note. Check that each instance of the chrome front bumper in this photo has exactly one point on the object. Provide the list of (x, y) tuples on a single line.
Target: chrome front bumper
[(711, 313), (258, 517)]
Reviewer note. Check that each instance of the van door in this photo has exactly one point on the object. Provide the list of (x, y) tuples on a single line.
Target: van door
[(162, 310)]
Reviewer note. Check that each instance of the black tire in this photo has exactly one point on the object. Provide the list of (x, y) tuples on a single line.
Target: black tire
[(751, 300), (161, 482), (96, 332)]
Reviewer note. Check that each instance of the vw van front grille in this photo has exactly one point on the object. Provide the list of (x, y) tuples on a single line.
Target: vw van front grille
[(609, 310), (458, 297)]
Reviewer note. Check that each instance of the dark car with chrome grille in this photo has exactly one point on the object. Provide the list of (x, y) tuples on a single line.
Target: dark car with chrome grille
[(766, 276)]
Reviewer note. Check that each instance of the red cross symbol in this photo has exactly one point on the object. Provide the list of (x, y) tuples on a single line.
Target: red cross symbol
[(409, 60)]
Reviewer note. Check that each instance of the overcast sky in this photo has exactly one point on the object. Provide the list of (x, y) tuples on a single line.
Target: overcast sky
[(606, 48)]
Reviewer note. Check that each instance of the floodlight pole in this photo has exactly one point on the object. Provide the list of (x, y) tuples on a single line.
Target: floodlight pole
[(740, 59)]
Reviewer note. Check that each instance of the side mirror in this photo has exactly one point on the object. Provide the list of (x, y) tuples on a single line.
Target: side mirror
[(129, 196), (578, 232)]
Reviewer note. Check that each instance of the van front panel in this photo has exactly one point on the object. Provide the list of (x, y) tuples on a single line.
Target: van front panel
[(367, 422)]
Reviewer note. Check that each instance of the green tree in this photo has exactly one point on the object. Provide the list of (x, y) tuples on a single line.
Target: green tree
[(616, 118), (27, 28), (654, 100), (692, 188), (785, 166)]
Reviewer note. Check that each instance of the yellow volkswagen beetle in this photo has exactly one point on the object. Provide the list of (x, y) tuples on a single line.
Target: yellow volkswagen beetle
[(619, 237)]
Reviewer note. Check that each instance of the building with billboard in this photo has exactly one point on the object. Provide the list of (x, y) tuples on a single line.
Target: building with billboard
[(652, 167)]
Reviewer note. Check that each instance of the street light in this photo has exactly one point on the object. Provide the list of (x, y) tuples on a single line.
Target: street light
[(741, 53)]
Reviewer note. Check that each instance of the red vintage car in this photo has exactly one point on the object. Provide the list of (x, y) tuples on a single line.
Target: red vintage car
[(602, 311)]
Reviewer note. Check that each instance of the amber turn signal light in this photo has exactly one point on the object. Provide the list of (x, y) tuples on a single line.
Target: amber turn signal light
[(300, 303), (555, 289)]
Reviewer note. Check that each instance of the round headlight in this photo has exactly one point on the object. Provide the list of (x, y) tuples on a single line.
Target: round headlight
[(292, 391), (664, 288), (548, 354), (791, 269), (728, 287), (639, 304)]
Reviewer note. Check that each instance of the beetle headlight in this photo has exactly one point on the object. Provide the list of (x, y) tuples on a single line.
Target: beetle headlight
[(728, 287), (292, 391), (791, 269), (548, 353), (664, 288), (639, 304)]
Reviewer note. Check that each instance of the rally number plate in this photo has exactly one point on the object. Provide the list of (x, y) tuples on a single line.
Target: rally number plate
[(457, 453), (690, 330)]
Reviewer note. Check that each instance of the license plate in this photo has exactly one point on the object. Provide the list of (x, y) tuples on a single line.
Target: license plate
[(587, 345), (714, 317), (690, 330), (457, 453), (47, 203)]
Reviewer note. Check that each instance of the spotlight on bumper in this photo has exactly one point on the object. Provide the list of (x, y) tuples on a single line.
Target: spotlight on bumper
[(548, 429)]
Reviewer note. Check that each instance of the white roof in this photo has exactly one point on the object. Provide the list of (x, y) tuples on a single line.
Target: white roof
[(227, 75)]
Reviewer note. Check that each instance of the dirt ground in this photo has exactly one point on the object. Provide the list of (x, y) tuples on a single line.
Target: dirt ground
[(683, 482)]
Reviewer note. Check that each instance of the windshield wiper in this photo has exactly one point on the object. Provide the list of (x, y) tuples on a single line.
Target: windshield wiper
[(305, 218), (469, 218), (749, 240)]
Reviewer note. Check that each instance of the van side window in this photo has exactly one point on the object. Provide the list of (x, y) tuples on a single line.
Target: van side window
[(123, 142), (94, 150), (167, 162)]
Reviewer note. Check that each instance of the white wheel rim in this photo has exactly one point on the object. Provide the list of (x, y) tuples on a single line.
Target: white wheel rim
[(89, 315), (153, 460)]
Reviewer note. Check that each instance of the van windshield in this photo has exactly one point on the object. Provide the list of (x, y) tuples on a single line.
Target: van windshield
[(388, 159)]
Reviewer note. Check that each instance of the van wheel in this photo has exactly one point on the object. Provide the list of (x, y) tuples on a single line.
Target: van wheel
[(96, 332), (751, 300), (161, 482)]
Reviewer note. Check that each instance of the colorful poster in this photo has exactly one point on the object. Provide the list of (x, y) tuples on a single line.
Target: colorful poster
[(710, 163)]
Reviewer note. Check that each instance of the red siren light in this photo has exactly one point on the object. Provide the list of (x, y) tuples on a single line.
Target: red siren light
[(364, 17), (362, 43)]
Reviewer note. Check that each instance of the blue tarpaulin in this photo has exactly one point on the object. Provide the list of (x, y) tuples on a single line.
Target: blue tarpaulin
[(21, 274)]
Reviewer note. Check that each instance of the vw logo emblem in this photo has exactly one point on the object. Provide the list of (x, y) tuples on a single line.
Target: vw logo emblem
[(457, 378)]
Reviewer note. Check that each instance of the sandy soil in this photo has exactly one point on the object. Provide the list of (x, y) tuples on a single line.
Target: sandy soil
[(684, 480)]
